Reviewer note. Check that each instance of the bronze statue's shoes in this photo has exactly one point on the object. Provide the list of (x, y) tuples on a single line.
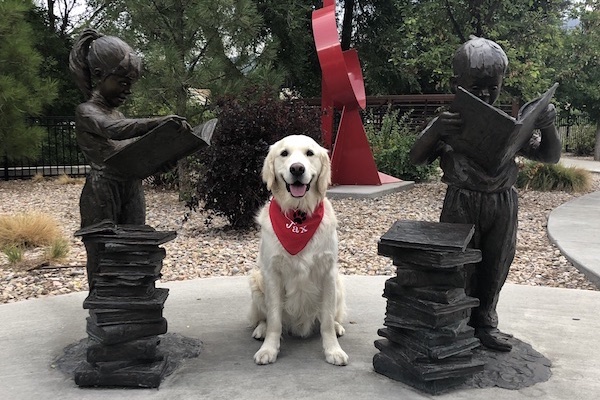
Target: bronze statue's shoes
[(493, 339)]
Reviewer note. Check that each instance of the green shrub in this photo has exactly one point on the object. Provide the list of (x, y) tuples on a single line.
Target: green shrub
[(391, 145), (57, 250), (582, 140), (229, 178), (14, 253), (549, 177)]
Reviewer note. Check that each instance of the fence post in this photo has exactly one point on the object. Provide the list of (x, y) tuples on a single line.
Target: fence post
[(569, 123), (5, 166)]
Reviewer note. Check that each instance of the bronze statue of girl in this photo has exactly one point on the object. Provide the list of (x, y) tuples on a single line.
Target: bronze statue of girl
[(105, 68)]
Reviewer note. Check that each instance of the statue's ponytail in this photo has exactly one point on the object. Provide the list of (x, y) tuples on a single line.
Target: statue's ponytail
[(78, 61)]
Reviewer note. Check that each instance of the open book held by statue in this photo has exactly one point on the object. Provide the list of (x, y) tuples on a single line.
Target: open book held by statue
[(161, 146), (492, 148)]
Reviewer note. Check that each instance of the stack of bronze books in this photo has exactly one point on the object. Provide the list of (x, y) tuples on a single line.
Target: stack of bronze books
[(426, 340), (125, 307)]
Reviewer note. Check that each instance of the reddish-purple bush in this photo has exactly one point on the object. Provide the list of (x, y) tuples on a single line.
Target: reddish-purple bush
[(231, 185)]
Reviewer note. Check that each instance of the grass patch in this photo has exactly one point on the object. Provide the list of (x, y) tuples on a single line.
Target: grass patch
[(38, 177), (57, 250), (30, 240), (552, 177), (13, 253), (65, 179), (27, 230)]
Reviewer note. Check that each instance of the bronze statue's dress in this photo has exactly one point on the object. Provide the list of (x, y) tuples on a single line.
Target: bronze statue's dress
[(108, 193)]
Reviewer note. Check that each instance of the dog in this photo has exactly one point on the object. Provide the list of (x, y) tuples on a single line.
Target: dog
[(296, 287)]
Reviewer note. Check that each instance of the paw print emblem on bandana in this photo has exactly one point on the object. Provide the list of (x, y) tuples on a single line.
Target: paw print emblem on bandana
[(299, 216)]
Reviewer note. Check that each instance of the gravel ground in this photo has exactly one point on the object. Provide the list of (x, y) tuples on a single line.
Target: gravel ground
[(202, 250)]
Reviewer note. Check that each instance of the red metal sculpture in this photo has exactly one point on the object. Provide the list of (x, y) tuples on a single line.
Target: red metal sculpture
[(343, 87)]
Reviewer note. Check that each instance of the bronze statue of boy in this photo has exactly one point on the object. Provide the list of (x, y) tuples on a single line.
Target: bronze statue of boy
[(484, 196)]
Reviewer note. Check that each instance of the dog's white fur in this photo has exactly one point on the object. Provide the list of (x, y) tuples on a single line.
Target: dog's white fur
[(298, 292)]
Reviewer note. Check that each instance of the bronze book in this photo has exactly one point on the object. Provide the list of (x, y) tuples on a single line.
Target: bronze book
[(162, 145), (425, 236), (490, 136)]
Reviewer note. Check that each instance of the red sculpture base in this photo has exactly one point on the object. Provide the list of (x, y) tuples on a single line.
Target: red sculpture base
[(352, 161)]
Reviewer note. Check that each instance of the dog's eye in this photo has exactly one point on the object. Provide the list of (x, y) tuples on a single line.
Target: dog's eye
[(284, 153), (310, 153)]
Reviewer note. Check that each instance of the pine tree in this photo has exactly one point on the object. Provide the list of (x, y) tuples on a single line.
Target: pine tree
[(188, 47), (22, 92)]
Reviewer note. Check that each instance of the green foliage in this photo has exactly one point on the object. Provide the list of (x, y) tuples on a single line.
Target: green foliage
[(288, 22), (582, 140), (578, 64), (406, 46), (550, 177), (14, 253), (229, 171), (22, 91), (57, 250), (54, 46), (391, 145), (189, 46)]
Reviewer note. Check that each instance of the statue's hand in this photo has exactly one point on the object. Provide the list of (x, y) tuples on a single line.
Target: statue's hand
[(452, 123), (546, 118), (184, 126)]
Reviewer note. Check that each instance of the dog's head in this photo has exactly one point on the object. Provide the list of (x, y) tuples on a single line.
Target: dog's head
[(298, 172)]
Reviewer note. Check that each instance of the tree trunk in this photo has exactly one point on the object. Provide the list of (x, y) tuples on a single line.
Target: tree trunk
[(51, 16), (597, 146), (346, 38)]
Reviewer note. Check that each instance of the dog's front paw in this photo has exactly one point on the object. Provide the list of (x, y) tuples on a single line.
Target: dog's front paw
[(336, 356), (260, 331), (265, 355)]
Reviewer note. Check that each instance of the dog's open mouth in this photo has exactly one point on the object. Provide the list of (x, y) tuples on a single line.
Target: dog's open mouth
[(297, 189)]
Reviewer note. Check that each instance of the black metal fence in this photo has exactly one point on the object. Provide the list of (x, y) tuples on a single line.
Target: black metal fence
[(414, 110), (572, 130), (60, 154)]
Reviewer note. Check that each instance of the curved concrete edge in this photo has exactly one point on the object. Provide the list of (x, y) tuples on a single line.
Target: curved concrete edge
[(573, 227), (588, 165)]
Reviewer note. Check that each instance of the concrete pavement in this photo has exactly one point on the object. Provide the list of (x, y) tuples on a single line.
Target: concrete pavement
[(560, 323), (589, 165)]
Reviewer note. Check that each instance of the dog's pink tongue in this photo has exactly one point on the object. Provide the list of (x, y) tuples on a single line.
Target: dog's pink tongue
[(298, 190)]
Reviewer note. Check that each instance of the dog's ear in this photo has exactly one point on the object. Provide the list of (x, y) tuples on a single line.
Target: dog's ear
[(324, 179), (268, 170)]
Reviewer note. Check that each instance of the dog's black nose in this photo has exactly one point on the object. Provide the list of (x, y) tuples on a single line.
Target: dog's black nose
[(297, 169)]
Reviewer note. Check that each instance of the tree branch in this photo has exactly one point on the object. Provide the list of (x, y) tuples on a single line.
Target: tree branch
[(455, 24), (347, 24)]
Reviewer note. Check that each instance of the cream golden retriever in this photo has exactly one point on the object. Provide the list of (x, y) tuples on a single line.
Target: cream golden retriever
[(296, 287)]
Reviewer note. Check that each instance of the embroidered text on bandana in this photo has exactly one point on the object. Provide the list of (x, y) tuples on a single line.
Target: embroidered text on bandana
[(294, 231)]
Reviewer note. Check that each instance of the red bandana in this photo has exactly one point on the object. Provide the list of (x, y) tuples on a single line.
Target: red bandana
[(294, 233)]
